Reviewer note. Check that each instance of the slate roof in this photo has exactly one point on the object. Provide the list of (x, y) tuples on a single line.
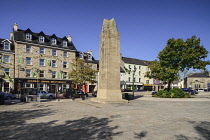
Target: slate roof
[(199, 75), (2, 46), (135, 61), (20, 36)]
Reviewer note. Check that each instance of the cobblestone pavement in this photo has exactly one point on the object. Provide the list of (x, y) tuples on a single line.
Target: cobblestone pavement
[(144, 118)]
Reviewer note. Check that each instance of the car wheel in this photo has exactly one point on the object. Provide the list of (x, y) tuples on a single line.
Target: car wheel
[(8, 98), (50, 97)]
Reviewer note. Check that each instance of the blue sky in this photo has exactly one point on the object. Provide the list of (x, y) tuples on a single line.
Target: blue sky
[(144, 25)]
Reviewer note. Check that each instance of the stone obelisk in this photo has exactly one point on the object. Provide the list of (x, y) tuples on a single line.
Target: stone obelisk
[(109, 64)]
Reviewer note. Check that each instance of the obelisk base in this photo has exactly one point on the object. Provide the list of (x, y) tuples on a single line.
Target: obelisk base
[(109, 96)]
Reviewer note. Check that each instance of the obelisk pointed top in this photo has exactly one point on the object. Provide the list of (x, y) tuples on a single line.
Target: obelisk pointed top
[(109, 24)]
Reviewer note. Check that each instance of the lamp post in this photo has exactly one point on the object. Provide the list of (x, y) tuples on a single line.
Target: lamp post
[(134, 70)]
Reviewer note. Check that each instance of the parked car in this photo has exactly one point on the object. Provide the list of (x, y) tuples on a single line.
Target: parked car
[(8, 96), (200, 90), (126, 90), (190, 91), (79, 94), (45, 95)]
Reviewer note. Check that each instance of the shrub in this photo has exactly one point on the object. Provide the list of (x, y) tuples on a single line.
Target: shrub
[(173, 93)]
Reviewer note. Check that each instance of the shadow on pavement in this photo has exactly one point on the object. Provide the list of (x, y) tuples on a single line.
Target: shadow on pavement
[(202, 128), (13, 125), (140, 135)]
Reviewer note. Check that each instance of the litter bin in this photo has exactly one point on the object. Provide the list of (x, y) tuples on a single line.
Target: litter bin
[(1, 99)]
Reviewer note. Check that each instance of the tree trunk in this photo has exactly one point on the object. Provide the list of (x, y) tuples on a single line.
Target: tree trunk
[(169, 85)]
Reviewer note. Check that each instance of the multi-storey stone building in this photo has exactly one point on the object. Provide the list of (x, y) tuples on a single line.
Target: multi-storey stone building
[(37, 60), (6, 65), (135, 71)]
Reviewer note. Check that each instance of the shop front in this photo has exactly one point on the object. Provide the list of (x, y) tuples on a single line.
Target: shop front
[(49, 85)]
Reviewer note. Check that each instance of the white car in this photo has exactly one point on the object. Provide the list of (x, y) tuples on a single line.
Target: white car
[(45, 94)]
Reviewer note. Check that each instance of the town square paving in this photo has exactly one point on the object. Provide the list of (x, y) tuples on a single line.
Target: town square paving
[(144, 118)]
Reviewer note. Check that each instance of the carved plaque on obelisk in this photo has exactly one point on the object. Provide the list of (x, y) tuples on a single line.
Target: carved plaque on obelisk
[(109, 64)]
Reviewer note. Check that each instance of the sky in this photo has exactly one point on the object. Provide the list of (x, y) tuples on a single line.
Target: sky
[(144, 25)]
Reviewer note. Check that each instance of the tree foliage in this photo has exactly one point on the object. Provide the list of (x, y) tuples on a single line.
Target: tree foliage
[(82, 73), (178, 55)]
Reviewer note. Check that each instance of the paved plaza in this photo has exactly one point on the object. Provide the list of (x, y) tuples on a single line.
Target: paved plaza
[(144, 118)]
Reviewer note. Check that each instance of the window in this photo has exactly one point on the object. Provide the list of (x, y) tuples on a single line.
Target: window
[(64, 43), (64, 64), (147, 81), (41, 86), (134, 79), (64, 75), (64, 54), (139, 67), (54, 53), (28, 73), (41, 50), (28, 48), (6, 59), (6, 46), (129, 66), (41, 62), (129, 79), (28, 36), (89, 57), (41, 73), (91, 66), (7, 71), (139, 72), (41, 38), (54, 74), (53, 41), (28, 61), (81, 55), (28, 85), (139, 79), (147, 69), (54, 63)]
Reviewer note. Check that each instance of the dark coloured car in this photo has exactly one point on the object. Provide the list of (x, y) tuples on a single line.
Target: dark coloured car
[(190, 91), (79, 94), (126, 90), (8, 96)]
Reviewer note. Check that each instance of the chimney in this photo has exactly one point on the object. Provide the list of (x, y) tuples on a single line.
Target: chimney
[(90, 52), (69, 38), (15, 28)]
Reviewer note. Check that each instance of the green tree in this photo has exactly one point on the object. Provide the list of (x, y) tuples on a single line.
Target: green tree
[(82, 73), (178, 56)]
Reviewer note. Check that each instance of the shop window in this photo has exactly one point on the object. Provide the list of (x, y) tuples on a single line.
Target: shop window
[(28, 85)]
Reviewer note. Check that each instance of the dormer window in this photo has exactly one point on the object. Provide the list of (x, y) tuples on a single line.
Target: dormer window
[(28, 36), (81, 56), (41, 39), (90, 57), (6, 46), (53, 41), (64, 43)]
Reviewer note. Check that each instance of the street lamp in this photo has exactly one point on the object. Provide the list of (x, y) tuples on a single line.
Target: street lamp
[(133, 79)]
